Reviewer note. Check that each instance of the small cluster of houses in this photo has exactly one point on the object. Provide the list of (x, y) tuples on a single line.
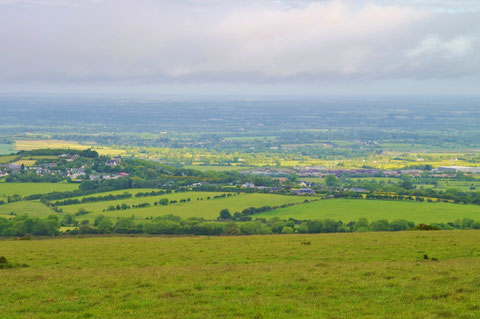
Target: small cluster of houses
[(263, 188), (76, 174)]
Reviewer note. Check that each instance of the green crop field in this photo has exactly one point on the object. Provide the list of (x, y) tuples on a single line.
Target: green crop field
[(25, 189), (208, 209), (350, 209), (355, 275), (32, 208)]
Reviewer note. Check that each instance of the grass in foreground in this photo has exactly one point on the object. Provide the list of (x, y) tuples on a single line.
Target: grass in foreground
[(293, 276), (350, 209)]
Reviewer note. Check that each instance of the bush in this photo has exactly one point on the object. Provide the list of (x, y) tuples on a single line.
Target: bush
[(287, 230)]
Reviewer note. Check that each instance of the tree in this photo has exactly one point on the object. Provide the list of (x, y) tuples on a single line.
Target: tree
[(380, 225), (400, 224), (278, 226), (225, 214), (68, 220), (361, 225), (105, 226), (331, 180), (232, 229), (406, 184), (287, 230)]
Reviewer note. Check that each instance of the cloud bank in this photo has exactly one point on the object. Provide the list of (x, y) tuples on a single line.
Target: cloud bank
[(193, 41)]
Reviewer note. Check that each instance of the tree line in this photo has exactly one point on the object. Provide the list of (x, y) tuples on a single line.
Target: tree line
[(173, 225)]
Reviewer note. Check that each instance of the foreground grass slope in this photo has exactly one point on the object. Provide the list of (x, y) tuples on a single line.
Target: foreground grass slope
[(293, 276), (350, 209)]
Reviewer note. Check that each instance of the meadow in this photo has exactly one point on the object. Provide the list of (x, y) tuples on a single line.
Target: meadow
[(348, 210), (31, 208), (208, 209), (25, 189), (361, 275)]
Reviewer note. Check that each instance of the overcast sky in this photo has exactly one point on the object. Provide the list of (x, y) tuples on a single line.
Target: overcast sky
[(230, 46)]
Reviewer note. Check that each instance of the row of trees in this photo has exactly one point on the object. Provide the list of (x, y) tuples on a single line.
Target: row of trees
[(173, 225), (92, 199)]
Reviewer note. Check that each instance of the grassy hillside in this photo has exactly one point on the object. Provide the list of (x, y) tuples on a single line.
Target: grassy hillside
[(195, 208), (362, 275), (349, 209), (25, 189)]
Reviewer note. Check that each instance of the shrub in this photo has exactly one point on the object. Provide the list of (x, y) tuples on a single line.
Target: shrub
[(287, 230)]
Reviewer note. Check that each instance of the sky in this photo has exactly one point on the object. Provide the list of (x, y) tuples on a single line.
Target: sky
[(241, 46)]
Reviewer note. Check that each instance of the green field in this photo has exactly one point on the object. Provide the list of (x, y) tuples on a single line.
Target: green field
[(6, 149), (32, 208), (7, 159), (25, 189), (208, 209), (348, 210), (355, 275)]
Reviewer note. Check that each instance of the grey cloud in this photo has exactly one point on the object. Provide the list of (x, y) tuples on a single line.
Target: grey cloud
[(230, 41)]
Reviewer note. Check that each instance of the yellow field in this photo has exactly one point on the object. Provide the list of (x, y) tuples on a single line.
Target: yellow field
[(28, 145), (25, 162)]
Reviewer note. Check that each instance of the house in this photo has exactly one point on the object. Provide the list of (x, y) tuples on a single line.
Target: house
[(77, 171), (15, 168), (114, 161), (456, 169), (120, 175), (248, 185), (303, 191), (357, 190), (411, 172), (305, 184)]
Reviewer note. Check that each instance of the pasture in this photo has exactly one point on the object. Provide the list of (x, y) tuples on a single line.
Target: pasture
[(32, 208), (208, 209), (25, 189), (348, 210), (361, 275)]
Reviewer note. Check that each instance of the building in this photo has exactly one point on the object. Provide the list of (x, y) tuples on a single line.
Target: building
[(457, 169), (303, 191), (114, 161)]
